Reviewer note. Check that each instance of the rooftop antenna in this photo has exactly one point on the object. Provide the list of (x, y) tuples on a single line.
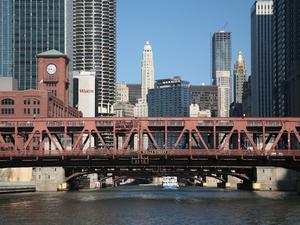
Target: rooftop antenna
[(224, 27)]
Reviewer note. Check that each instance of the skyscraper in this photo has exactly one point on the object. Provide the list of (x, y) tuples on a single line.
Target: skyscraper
[(147, 76), (94, 43), (147, 70), (286, 58), (240, 77), (221, 70), (6, 38), (221, 53), (28, 28), (261, 58)]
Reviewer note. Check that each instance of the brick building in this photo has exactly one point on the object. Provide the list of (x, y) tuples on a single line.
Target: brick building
[(52, 97)]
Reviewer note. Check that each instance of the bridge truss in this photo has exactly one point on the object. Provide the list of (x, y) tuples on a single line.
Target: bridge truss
[(143, 142)]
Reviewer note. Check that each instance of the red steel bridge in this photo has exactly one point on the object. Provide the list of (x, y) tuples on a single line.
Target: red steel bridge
[(158, 143)]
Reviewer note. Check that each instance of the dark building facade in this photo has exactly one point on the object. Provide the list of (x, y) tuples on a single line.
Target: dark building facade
[(286, 58), (169, 98), (261, 58), (29, 27), (206, 96), (135, 92), (247, 98)]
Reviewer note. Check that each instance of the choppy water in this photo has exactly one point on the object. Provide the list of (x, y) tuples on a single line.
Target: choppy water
[(149, 205)]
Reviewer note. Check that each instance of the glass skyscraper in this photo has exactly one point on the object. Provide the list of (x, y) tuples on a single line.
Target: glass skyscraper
[(221, 53), (286, 58), (261, 58), (29, 28), (6, 38), (221, 70)]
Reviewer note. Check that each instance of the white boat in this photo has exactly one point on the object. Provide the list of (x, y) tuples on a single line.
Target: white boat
[(170, 182)]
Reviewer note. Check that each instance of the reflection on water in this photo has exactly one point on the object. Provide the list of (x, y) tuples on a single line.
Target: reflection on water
[(151, 205)]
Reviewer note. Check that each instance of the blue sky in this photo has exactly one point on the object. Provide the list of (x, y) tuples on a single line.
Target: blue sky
[(180, 33)]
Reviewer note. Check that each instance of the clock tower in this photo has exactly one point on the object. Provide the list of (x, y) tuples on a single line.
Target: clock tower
[(53, 74)]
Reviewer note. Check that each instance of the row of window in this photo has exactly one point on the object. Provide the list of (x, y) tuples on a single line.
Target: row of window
[(31, 101), (7, 111), (27, 111), (28, 101), (7, 101)]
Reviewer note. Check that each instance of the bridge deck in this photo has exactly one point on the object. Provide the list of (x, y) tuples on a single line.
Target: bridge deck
[(150, 141)]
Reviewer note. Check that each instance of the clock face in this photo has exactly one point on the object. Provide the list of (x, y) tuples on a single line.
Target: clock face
[(51, 69)]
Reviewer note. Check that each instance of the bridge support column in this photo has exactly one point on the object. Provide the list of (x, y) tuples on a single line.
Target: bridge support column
[(250, 186), (203, 184), (48, 178), (277, 179), (223, 185)]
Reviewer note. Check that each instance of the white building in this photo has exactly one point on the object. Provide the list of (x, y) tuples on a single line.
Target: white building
[(122, 92), (141, 108), (204, 113), (196, 112), (123, 109), (85, 92), (223, 83)]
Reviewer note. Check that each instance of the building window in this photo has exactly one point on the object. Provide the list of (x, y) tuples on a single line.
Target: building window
[(27, 101), (7, 101), (7, 111), (36, 101)]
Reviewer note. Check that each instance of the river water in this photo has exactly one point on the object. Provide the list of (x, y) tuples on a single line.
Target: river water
[(137, 205)]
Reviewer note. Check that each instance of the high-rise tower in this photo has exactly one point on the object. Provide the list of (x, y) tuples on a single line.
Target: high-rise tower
[(27, 29), (147, 70), (261, 58), (147, 76), (94, 43), (240, 76), (221, 70), (286, 58)]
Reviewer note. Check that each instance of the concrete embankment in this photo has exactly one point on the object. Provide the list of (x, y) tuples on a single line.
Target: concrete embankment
[(16, 187)]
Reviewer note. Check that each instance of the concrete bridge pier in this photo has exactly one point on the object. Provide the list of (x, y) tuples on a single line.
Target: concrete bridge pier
[(224, 182), (203, 183), (48, 178), (272, 179), (252, 184), (249, 185), (224, 185)]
